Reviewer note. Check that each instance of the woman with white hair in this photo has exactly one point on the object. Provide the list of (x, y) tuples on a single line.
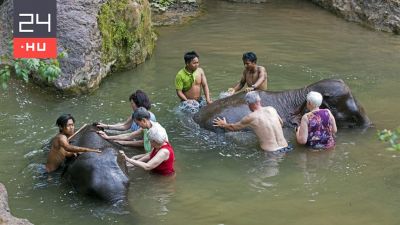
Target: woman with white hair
[(317, 127), (161, 159)]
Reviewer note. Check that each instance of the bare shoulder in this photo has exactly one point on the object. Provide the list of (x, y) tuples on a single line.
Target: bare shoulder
[(248, 118), (305, 116), (163, 153), (59, 137), (270, 109), (58, 140), (200, 71), (261, 68)]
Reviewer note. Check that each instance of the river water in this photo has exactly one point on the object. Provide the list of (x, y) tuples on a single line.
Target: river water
[(226, 180)]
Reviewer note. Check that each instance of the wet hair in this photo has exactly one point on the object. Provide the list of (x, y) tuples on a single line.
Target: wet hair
[(315, 98), (141, 113), (189, 56), (63, 120), (140, 99), (158, 134), (252, 97), (249, 56)]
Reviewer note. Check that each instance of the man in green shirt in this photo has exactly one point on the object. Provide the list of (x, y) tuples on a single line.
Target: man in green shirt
[(190, 80)]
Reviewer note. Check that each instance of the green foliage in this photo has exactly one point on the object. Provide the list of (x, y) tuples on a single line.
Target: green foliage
[(392, 137), (48, 70), (117, 38)]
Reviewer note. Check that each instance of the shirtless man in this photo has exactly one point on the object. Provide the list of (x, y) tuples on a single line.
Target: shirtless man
[(60, 148), (253, 75), (265, 122), (190, 80)]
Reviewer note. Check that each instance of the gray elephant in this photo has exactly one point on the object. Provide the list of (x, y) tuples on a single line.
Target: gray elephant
[(102, 175), (291, 105)]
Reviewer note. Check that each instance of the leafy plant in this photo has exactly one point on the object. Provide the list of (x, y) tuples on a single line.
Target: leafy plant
[(391, 137), (48, 69)]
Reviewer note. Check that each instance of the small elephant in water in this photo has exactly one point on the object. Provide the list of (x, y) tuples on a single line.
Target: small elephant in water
[(102, 175), (291, 105)]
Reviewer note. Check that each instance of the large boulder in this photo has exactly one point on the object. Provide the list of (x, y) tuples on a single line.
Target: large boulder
[(100, 36), (377, 14), (5, 215)]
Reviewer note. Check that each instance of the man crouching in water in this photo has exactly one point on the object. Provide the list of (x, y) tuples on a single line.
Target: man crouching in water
[(265, 122), (60, 147)]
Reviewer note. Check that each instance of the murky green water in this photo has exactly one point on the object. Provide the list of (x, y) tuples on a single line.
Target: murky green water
[(226, 180)]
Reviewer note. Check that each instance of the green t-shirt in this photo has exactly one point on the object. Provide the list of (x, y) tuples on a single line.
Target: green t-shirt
[(184, 80), (146, 141)]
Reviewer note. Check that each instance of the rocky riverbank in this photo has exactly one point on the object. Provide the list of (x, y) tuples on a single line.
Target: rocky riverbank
[(5, 215), (177, 12), (383, 15)]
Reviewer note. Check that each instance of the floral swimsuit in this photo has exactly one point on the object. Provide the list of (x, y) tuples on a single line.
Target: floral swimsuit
[(320, 130)]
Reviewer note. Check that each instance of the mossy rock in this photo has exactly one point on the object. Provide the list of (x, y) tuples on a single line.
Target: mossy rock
[(127, 34)]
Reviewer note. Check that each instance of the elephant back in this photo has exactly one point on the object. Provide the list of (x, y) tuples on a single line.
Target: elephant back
[(103, 175)]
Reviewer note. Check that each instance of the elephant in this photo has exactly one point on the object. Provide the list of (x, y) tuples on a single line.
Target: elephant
[(103, 175), (290, 105)]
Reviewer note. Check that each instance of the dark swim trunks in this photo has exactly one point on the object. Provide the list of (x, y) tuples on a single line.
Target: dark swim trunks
[(286, 149)]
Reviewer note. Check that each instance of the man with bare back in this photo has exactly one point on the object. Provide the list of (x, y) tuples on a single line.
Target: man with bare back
[(190, 80), (253, 75), (60, 147), (265, 122)]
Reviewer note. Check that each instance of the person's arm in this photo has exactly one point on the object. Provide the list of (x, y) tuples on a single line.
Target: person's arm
[(302, 131), (179, 88), (135, 143), (262, 76), (181, 95), (121, 137), (205, 87), (333, 123), (119, 126), (161, 156), (239, 85), (142, 157), (280, 119), (74, 149), (243, 123)]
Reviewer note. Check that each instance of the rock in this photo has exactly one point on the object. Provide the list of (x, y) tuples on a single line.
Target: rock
[(100, 36), (5, 215), (248, 1), (177, 13), (381, 15)]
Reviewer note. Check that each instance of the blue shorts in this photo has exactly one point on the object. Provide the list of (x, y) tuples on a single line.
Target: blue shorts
[(286, 149)]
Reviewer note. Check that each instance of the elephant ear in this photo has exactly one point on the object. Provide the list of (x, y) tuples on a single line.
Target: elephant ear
[(295, 116), (325, 100)]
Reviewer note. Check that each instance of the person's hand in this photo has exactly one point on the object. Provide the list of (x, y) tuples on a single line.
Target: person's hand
[(97, 151), (102, 125), (218, 122), (136, 157), (248, 89), (123, 154), (231, 91), (119, 142), (191, 101), (103, 134), (209, 101)]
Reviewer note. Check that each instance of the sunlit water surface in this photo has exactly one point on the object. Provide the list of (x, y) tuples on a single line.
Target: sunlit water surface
[(225, 180)]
